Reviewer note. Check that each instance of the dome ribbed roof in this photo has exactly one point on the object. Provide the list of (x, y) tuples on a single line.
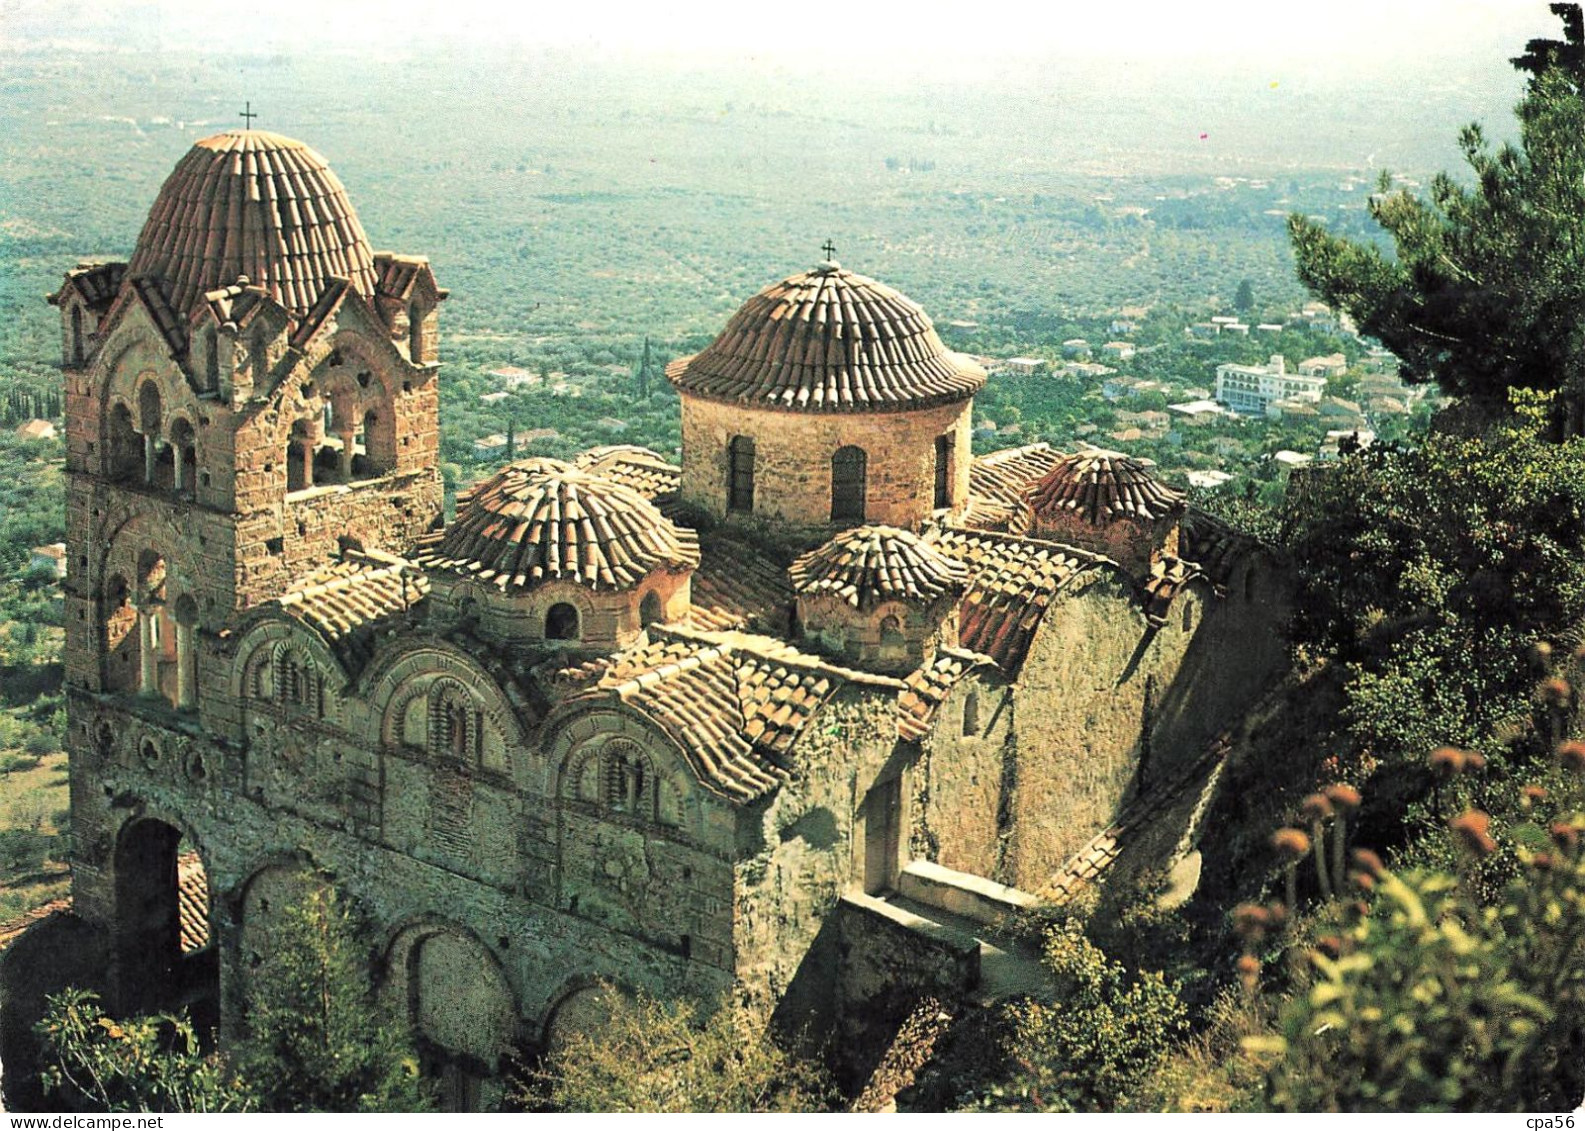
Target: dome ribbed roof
[(1101, 486), (869, 564), (829, 341), (256, 204), (542, 520)]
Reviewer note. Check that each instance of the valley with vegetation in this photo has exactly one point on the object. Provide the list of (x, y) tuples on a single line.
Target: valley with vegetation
[(1391, 913)]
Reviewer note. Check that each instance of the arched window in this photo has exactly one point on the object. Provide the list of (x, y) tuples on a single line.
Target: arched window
[(650, 610), (740, 474), (971, 714), (627, 784), (561, 622), (415, 334), (260, 351), (77, 335), (123, 447), (944, 446), (847, 484), (1188, 615), (894, 645), (211, 360), (149, 409)]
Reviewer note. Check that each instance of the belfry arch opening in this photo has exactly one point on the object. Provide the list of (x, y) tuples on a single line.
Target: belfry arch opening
[(164, 958)]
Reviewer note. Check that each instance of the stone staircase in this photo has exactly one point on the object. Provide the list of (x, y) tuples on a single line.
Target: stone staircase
[(967, 909)]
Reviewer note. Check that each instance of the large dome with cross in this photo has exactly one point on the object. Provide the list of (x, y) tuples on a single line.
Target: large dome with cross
[(249, 203), (827, 401)]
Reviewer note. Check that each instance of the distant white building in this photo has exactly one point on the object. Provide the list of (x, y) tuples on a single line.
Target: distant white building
[(1207, 480), (51, 557), (1293, 459), (1121, 351), (1076, 347), (1269, 328), (1198, 408), (1251, 389), (1023, 366)]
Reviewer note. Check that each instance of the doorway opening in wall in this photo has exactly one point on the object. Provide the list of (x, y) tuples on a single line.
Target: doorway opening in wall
[(882, 815), (164, 958)]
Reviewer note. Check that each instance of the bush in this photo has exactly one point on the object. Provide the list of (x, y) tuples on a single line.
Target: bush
[(1096, 1041), (97, 1063), (17, 763), (1436, 1001), (655, 1056)]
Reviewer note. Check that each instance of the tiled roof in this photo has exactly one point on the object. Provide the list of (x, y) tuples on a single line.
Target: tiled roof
[(1101, 486), (870, 564), (929, 686), (1218, 547), (192, 902), (1005, 476), (98, 283), (1168, 576), (235, 304), (542, 519), (645, 471), (255, 204), (738, 587), (347, 600), (1014, 582), (397, 275), (828, 340), (166, 319), (735, 703)]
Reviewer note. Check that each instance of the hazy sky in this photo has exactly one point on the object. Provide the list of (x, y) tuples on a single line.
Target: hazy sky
[(880, 32)]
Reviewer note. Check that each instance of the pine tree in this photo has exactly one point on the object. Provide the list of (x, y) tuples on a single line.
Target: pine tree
[(1485, 289)]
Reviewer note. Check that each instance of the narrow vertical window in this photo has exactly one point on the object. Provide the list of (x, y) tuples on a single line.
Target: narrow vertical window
[(740, 474), (944, 471), (847, 484)]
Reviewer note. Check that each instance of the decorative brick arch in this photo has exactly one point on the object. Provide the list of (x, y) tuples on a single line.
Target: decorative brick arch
[(392, 682), (267, 640), (579, 749)]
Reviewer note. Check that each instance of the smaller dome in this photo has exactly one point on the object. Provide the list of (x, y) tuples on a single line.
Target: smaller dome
[(828, 340), (870, 564), (1100, 486), (543, 520)]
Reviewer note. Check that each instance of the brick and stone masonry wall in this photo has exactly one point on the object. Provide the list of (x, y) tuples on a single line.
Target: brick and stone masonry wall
[(792, 473)]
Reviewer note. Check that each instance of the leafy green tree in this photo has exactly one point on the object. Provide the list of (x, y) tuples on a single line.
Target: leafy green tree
[(145, 1064), (1487, 281), (318, 1039), (1428, 573), (655, 1056), (1244, 300)]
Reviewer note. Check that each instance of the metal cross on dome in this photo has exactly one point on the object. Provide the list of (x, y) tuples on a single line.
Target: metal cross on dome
[(247, 116), (830, 249)]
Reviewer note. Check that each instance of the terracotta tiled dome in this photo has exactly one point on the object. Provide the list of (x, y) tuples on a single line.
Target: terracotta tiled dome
[(256, 204), (869, 564), (829, 341), (542, 520), (1100, 486)]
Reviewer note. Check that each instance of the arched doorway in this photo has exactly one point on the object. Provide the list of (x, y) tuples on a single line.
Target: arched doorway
[(462, 1009), (164, 955)]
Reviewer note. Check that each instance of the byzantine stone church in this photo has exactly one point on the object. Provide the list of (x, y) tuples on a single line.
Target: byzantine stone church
[(619, 720)]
